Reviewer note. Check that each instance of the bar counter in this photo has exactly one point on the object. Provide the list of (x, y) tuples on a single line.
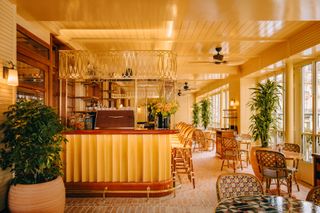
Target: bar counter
[(125, 159)]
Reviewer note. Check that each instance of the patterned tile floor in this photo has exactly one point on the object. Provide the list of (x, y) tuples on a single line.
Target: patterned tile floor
[(201, 199)]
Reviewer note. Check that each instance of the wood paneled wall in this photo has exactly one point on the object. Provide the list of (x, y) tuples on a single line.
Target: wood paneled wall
[(7, 52), (7, 98)]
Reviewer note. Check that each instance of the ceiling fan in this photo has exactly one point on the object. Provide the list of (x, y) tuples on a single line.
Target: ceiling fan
[(186, 87), (218, 58)]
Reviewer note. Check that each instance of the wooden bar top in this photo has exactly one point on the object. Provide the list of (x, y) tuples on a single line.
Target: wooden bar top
[(119, 131)]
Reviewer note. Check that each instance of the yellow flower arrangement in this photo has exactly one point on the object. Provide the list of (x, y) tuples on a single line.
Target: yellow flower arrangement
[(160, 106)]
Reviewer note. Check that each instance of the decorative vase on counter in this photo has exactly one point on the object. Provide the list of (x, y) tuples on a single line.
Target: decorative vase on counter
[(163, 121)]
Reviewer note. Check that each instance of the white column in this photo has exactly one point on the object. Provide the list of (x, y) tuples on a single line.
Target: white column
[(289, 103)]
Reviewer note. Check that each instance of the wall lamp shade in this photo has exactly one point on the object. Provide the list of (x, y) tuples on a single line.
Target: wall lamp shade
[(12, 77), (234, 103)]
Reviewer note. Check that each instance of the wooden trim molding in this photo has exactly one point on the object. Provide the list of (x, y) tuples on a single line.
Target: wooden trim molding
[(32, 36), (74, 189), (118, 131)]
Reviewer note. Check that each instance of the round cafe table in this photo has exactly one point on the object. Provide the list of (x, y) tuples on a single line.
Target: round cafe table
[(265, 203)]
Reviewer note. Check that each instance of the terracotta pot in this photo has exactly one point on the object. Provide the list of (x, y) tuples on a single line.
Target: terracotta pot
[(43, 197), (253, 160), (5, 177)]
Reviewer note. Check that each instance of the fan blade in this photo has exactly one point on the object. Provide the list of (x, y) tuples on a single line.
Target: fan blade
[(201, 62)]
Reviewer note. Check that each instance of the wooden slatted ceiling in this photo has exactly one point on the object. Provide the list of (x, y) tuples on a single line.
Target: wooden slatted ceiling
[(189, 38)]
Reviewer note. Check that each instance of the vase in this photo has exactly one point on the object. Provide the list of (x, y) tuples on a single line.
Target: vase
[(150, 117), (163, 121)]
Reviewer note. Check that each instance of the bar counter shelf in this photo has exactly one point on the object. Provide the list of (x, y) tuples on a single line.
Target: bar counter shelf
[(125, 160)]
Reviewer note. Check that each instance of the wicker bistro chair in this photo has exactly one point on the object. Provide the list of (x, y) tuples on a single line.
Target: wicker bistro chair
[(314, 195), (245, 146), (292, 147), (238, 184), (199, 140), (230, 151), (295, 163), (272, 165), (181, 157)]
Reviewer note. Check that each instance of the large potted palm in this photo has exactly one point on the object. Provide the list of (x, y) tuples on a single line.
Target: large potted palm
[(205, 112), (195, 114), (32, 145), (264, 102)]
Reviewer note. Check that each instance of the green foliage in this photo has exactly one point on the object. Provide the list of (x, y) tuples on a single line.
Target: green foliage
[(32, 142), (205, 112), (195, 114), (263, 105)]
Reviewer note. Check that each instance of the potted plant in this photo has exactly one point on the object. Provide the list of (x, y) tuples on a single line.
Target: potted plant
[(205, 112), (195, 114), (32, 145), (264, 102)]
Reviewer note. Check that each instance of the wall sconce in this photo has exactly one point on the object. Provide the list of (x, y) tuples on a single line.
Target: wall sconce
[(234, 103), (11, 74)]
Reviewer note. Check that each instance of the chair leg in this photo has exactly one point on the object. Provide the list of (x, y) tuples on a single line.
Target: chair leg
[(278, 186), (295, 180), (234, 165), (192, 173), (241, 163), (222, 164), (267, 185), (289, 183)]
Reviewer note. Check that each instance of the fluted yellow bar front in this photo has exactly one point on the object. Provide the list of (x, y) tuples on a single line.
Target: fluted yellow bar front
[(117, 158)]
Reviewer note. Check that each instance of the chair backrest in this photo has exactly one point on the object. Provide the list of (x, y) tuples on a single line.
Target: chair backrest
[(314, 195), (271, 159), (237, 184), (246, 137), (199, 136), (292, 147), (229, 147), (229, 143)]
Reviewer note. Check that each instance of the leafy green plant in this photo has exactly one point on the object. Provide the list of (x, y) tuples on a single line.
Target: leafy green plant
[(195, 114), (205, 112), (263, 104), (32, 142)]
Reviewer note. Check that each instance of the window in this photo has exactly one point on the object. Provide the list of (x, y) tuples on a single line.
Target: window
[(33, 66), (219, 99), (310, 95), (216, 110), (279, 135)]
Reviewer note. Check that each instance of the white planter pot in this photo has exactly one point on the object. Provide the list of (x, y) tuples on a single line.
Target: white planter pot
[(43, 197)]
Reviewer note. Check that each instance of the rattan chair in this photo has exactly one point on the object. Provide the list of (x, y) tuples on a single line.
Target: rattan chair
[(230, 151), (198, 139), (239, 184), (295, 164), (181, 155), (292, 147), (272, 165), (245, 146), (314, 195)]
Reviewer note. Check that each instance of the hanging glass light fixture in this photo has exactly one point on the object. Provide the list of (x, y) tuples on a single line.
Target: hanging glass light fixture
[(155, 64)]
